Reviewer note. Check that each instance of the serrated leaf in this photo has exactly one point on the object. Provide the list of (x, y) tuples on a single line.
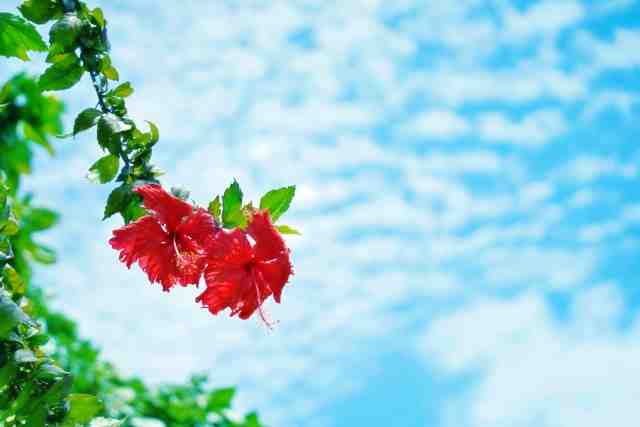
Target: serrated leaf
[(123, 90), (62, 74), (215, 208), (118, 200), (105, 169), (232, 215), (277, 202), (285, 229), (86, 120), (17, 37), (40, 11)]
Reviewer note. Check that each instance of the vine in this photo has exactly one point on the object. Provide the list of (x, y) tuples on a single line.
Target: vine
[(235, 246)]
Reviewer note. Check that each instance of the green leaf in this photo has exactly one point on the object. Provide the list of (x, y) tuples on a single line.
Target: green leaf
[(251, 420), (86, 120), (62, 74), (6, 250), (82, 409), (98, 15), (36, 136), (232, 215), (109, 127), (123, 90), (42, 254), (65, 31), (111, 73), (17, 37), (285, 229), (118, 200), (12, 279), (9, 226), (39, 219), (133, 211), (277, 202), (105, 169), (10, 315), (154, 132), (220, 400), (215, 208), (40, 11)]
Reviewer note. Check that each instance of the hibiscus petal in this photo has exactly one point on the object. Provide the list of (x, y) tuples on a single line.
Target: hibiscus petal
[(144, 241), (170, 210), (269, 242)]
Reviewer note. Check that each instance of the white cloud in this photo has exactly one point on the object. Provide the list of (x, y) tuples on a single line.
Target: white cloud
[(622, 52), (534, 370), (439, 124), (536, 128), (546, 17)]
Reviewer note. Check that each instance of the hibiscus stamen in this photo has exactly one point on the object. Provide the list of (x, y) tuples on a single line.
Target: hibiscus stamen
[(261, 312)]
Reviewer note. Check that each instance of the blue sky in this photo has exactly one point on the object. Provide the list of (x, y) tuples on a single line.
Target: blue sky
[(467, 179)]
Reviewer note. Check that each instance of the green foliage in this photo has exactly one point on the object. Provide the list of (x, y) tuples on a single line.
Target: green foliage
[(37, 392), (62, 74), (105, 169), (17, 37), (285, 229), (232, 215), (215, 208), (86, 120), (40, 11), (65, 32), (277, 202)]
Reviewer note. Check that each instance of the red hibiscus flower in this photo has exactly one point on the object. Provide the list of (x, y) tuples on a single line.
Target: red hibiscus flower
[(169, 243), (241, 276)]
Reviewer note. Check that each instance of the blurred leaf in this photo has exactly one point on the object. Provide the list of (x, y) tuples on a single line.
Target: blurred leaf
[(36, 136), (277, 202), (215, 208), (220, 399), (155, 132), (285, 229), (6, 250), (62, 75), (123, 90), (232, 215), (86, 120), (99, 17), (18, 37), (39, 219), (83, 408), (105, 169), (12, 279), (40, 11)]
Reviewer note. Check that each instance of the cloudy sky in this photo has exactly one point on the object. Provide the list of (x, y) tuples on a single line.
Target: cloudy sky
[(467, 175)]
